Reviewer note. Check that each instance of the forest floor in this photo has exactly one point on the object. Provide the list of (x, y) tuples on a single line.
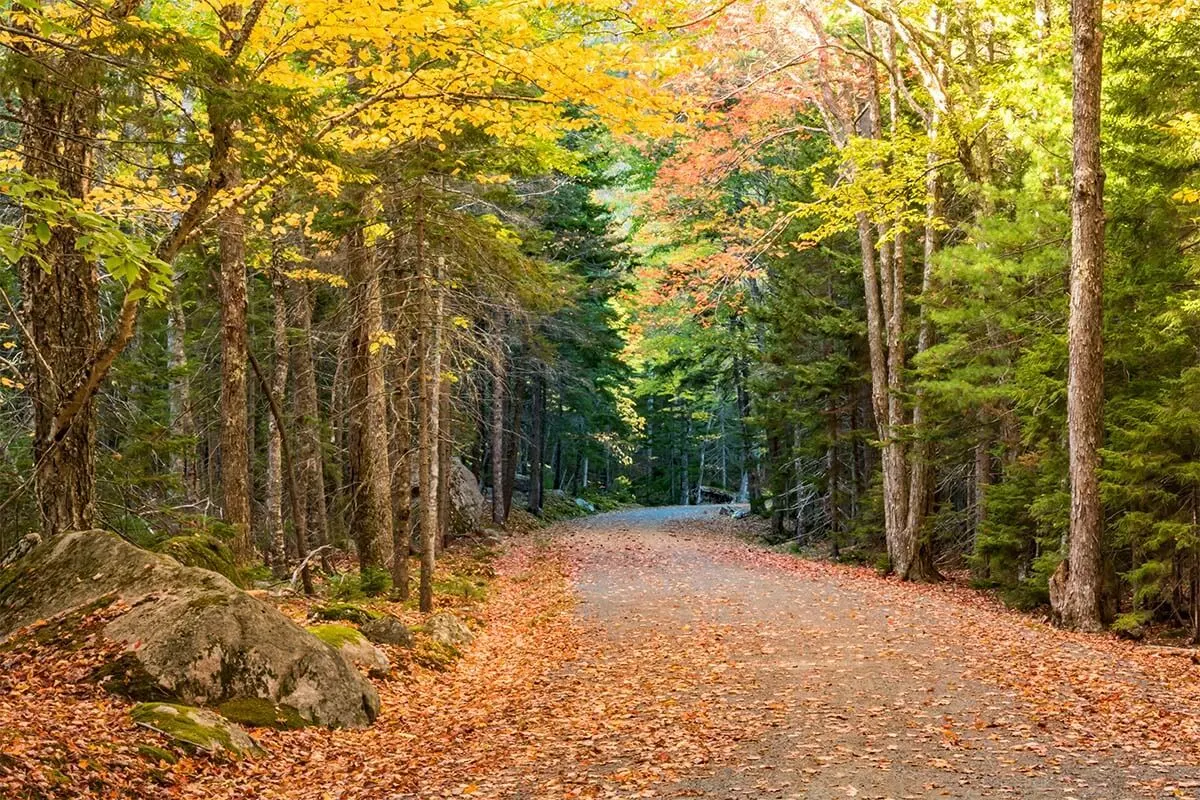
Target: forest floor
[(651, 653)]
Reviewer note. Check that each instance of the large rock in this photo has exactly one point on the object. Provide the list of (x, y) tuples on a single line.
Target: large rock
[(195, 727), (191, 635), (355, 647), (387, 630), (448, 630), (467, 504), (466, 501)]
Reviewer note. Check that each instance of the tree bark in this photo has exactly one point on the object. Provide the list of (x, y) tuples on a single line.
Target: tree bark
[(61, 302), (499, 517), (307, 414), (367, 451), (537, 444), (184, 458), (445, 453), (1078, 605), (512, 440), (235, 415), (429, 424), (278, 387)]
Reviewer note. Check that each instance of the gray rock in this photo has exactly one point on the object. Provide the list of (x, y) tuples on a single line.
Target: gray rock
[(387, 630), (467, 504), (466, 501), (585, 505), (191, 634), (354, 647), (195, 727), (448, 630)]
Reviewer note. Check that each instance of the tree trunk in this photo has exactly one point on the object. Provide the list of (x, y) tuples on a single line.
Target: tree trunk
[(61, 306), (279, 376), (445, 453), (184, 459), (307, 413), (512, 443), (983, 478), (235, 415), (370, 484), (1078, 605), (429, 424), (497, 429), (537, 445)]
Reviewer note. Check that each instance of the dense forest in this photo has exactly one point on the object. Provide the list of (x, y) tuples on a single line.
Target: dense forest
[(311, 294), (275, 269)]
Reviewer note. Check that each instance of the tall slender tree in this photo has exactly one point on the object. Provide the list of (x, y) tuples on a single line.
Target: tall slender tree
[(1075, 587)]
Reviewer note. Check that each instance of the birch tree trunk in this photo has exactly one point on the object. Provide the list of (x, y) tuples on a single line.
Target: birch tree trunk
[(1077, 605)]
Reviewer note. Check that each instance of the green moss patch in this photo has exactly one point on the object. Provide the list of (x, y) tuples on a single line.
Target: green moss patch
[(194, 727), (336, 635), (156, 755), (461, 586), (204, 551), (345, 612), (260, 713), (435, 655)]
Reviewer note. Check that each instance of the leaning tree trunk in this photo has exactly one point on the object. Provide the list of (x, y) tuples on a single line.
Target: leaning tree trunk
[(1077, 604), (370, 484)]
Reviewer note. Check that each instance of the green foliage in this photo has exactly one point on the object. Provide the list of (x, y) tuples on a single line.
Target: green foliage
[(374, 582), (462, 587)]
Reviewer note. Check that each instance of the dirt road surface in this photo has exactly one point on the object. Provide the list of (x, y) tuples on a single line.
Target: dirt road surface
[(832, 682)]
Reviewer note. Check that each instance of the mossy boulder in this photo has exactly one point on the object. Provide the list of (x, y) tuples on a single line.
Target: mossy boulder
[(259, 713), (388, 630), (195, 728), (203, 551), (354, 647), (344, 612), (190, 634), (448, 630)]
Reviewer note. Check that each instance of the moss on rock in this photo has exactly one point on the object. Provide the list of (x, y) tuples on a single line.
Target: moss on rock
[(344, 612), (435, 655), (204, 551), (195, 728), (336, 635), (260, 713)]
